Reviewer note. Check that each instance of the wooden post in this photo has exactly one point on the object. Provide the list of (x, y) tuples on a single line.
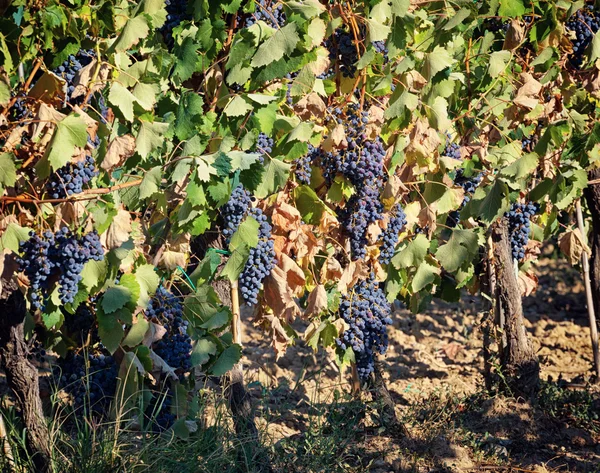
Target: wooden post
[(585, 264)]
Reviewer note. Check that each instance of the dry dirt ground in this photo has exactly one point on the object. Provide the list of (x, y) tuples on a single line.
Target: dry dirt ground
[(434, 369)]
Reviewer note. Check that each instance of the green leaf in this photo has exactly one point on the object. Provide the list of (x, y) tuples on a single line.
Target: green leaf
[(148, 281), (310, 206), (426, 274), (436, 61), (137, 332), (202, 351), (498, 62), (275, 176), (4, 94), (115, 298), (150, 137), (246, 234), (226, 361), (187, 55), (461, 248), (494, 204), (12, 236), (413, 254), (121, 98), (511, 8), (151, 182), (70, 132), (110, 330), (458, 19), (218, 320), (145, 94), (238, 107), (93, 272), (235, 263), (522, 167), (134, 30), (282, 43), (307, 8), (8, 170)]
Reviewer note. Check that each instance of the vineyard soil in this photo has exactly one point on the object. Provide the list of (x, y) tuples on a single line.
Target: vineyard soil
[(434, 369)]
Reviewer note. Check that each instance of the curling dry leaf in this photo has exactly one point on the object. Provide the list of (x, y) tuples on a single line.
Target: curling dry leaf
[(304, 244), (286, 217), (331, 270), (528, 283), (421, 152), (572, 245), (354, 272), (154, 333), (527, 95), (119, 149), (119, 230), (336, 139), (311, 106), (176, 252), (316, 302), (514, 36), (280, 340), (294, 275), (328, 223), (279, 296)]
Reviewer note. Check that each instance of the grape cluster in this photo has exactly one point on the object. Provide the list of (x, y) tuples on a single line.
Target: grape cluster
[(367, 312), (361, 162), (452, 150), (264, 145), (73, 254), (234, 210), (389, 237), (269, 11), (584, 24), (469, 185), (19, 111), (36, 352), (159, 412), (70, 179), (63, 255), (519, 227), (176, 13), (175, 347), (261, 260), (69, 69), (342, 51), (81, 325), (91, 380), (303, 169)]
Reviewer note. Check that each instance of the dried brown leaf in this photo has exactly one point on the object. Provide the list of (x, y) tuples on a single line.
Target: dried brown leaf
[(118, 150), (316, 302), (572, 245), (279, 296), (119, 230)]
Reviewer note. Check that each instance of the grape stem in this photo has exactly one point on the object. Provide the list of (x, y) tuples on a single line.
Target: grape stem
[(103, 190)]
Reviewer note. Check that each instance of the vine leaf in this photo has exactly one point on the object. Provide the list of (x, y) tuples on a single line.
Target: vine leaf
[(227, 359), (511, 8), (8, 170), (275, 176), (236, 262), (425, 275), (316, 302), (151, 182), (118, 231), (462, 247), (202, 351), (282, 43), (121, 98), (4, 94), (137, 332), (70, 132), (150, 137), (115, 298), (134, 30), (119, 149), (412, 254)]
